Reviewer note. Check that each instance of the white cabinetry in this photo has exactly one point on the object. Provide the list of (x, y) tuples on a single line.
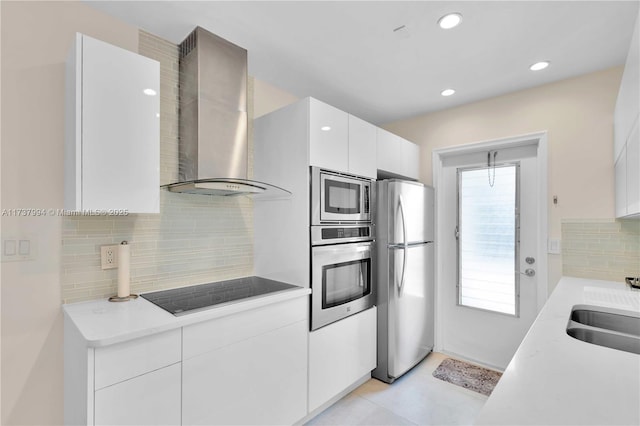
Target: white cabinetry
[(621, 183), (633, 171), (626, 149), (112, 145), (134, 382), (339, 355), (150, 399), (397, 156), (247, 368), (340, 141), (362, 148), (328, 136)]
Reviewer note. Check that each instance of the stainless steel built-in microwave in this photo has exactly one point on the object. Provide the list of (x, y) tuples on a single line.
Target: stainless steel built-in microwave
[(339, 198)]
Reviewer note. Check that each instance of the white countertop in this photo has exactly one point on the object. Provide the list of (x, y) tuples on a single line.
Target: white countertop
[(103, 323), (556, 379)]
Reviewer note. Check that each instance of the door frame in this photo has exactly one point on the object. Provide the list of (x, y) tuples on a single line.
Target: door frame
[(537, 139)]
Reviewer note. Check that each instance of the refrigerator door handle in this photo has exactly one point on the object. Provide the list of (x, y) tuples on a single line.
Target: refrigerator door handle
[(404, 252), (404, 268), (404, 222)]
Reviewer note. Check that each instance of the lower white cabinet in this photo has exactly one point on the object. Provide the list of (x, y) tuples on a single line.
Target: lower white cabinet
[(150, 399), (133, 382), (339, 355), (253, 371), (249, 367)]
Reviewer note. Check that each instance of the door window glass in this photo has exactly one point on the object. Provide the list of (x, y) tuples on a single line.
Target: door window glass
[(487, 233)]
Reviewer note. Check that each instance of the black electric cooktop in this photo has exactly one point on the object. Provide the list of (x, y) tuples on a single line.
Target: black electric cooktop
[(185, 300)]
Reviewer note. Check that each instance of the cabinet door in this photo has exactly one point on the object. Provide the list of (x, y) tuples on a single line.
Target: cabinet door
[(628, 102), (115, 363), (410, 159), (397, 155), (257, 381), (120, 129), (150, 399), (362, 148), (633, 171), (339, 355), (388, 156), (328, 137), (621, 183)]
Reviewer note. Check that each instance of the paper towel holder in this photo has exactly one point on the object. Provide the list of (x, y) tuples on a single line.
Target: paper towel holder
[(117, 298), (123, 299)]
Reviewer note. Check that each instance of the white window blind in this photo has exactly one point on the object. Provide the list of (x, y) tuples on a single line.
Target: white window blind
[(487, 246)]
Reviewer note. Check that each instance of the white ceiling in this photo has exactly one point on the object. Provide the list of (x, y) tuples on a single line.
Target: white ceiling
[(348, 55)]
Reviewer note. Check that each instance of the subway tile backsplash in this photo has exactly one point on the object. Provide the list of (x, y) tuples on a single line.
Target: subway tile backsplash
[(195, 239), (604, 249)]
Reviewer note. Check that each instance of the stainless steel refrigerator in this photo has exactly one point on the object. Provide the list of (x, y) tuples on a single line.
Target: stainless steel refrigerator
[(404, 221)]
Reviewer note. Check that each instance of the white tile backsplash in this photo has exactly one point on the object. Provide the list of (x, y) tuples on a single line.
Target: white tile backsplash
[(603, 249)]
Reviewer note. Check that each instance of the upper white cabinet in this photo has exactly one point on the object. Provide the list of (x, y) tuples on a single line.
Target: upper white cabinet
[(362, 147), (328, 136), (339, 141), (112, 143), (633, 171), (397, 155), (626, 149)]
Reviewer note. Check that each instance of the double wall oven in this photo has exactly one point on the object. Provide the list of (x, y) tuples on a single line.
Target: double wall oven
[(342, 246)]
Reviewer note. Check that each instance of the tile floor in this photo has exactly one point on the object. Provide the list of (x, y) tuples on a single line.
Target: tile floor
[(417, 398)]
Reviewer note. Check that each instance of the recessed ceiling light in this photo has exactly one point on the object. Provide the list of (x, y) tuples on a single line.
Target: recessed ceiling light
[(539, 66), (325, 128), (450, 20), (149, 92), (447, 92)]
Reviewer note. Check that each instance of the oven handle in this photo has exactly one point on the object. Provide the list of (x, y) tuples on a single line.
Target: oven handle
[(355, 247), (404, 245)]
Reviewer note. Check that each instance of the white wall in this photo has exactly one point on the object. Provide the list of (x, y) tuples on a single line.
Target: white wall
[(577, 113)]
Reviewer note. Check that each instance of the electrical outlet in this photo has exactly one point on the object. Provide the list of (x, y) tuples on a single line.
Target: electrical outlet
[(109, 256)]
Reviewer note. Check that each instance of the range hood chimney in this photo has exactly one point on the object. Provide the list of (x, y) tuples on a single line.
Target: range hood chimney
[(213, 147)]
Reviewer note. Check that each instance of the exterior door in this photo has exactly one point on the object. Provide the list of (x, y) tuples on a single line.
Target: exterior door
[(489, 252)]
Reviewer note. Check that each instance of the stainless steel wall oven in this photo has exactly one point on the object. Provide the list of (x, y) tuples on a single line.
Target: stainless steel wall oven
[(342, 274)]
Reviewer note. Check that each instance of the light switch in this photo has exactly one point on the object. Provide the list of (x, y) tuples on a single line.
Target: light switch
[(24, 247), (9, 247), (554, 246)]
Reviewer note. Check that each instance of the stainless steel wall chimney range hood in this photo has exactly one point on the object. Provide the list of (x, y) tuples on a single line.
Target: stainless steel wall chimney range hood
[(213, 147)]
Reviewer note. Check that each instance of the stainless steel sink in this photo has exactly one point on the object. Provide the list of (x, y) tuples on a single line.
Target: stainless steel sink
[(612, 328), (609, 319)]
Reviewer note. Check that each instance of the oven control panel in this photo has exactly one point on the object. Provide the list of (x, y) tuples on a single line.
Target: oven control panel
[(321, 235)]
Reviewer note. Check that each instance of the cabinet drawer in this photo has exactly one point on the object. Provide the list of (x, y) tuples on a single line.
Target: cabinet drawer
[(125, 360), (150, 399), (217, 333)]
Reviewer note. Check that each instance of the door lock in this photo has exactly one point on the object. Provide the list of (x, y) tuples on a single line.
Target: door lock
[(530, 260), (529, 272)]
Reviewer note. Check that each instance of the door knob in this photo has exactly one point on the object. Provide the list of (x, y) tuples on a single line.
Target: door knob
[(529, 272)]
